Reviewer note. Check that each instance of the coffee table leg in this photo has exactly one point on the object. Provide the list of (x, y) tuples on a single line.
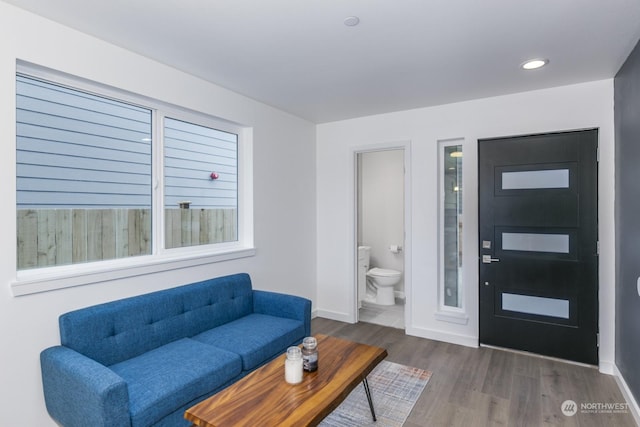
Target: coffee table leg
[(368, 392)]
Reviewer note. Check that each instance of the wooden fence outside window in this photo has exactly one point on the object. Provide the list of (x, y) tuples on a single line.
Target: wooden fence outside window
[(50, 237)]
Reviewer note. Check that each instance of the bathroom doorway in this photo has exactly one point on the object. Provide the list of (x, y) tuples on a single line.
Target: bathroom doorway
[(380, 237)]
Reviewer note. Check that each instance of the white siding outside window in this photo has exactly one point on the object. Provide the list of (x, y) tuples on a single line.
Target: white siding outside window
[(76, 149)]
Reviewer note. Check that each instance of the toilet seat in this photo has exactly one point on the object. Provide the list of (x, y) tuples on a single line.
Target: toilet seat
[(383, 272)]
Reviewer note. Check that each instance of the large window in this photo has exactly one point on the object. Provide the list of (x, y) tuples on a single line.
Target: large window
[(88, 168), (450, 208)]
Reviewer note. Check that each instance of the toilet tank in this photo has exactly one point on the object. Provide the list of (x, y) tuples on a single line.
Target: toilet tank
[(364, 254)]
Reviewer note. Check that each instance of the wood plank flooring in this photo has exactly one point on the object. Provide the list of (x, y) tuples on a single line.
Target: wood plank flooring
[(489, 387)]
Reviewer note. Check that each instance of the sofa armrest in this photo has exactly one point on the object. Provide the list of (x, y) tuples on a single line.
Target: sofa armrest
[(283, 305), (79, 391)]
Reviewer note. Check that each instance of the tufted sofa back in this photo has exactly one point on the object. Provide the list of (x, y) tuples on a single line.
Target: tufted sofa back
[(115, 331)]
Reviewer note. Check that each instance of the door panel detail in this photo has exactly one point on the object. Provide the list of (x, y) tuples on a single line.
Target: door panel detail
[(536, 179), (541, 306), (557, 243)]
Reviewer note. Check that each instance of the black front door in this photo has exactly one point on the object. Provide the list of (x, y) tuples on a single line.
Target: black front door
[(538, 244)]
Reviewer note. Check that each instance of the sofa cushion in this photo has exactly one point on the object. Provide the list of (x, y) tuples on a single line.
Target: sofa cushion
[(162, 380), (120, 330), (257, 338)]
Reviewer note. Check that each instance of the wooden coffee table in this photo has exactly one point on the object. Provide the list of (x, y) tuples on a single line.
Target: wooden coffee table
[(263, 398)]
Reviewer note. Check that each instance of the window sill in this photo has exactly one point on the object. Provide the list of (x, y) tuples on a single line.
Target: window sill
[(44, 280), (452, 317)]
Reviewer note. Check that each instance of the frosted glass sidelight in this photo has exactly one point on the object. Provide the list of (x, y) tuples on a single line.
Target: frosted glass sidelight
[(541, 306), (451, 223), (556, 243), (528, 180)]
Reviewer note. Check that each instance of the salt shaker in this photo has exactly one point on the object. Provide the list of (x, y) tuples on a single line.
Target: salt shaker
[(293, 366), (310, 354)]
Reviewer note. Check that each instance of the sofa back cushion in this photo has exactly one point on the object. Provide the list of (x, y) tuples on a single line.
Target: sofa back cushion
[(119, 330)]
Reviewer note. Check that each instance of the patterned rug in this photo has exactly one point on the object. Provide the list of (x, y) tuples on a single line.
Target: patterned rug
[(394, 389)]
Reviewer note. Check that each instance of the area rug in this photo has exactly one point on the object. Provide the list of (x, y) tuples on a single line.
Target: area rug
[(394, 389)]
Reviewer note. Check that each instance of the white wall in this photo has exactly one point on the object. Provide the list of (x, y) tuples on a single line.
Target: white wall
[(580, 106), (284, 200), (382, 211)]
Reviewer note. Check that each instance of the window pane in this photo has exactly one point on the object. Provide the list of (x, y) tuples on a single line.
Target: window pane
[(83, 176), (201, 185), (531, 242), (527, 180), (536, 305), (451, 212)]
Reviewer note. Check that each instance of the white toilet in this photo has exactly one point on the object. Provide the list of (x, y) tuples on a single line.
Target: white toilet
[(379, 288), (384, 280)]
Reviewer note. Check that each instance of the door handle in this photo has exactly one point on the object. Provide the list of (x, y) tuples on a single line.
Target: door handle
[(486, 259)]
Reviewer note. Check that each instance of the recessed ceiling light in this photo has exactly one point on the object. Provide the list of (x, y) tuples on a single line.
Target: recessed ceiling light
[(534, 64), (456, 154), (351, 21)]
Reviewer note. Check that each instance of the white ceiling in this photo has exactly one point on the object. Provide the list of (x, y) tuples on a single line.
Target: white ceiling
[(297, 55)]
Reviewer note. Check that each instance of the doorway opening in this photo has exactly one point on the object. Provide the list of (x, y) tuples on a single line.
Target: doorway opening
[(381, 281)]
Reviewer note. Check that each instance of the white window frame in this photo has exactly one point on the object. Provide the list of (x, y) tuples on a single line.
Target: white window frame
[(158, 177), (58, 277)]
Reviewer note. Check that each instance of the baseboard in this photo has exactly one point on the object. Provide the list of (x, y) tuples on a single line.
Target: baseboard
[(465, 340), (626, 393), (607, 367), (333, 315)]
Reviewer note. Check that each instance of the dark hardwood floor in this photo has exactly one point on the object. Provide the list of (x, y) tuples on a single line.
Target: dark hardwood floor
[(489, 387)]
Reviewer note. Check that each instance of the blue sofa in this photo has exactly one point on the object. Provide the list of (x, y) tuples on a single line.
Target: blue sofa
[(142, 361)]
